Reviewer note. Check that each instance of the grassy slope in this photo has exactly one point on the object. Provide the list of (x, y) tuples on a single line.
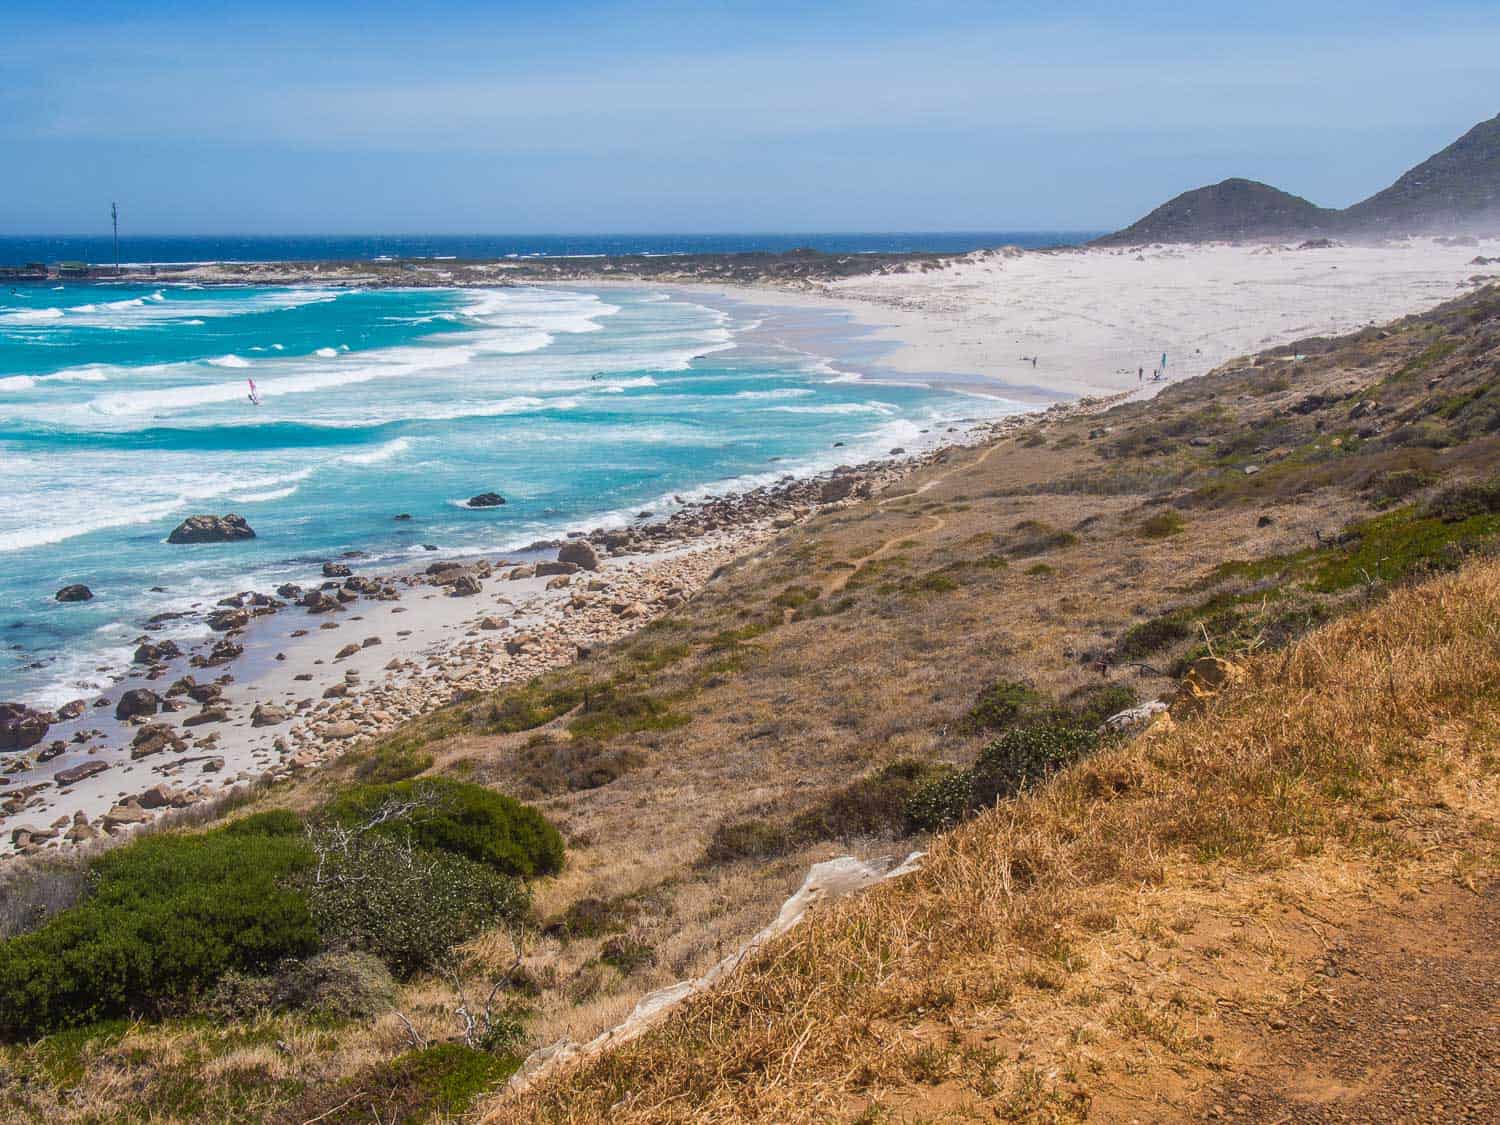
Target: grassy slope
[(865, 636)]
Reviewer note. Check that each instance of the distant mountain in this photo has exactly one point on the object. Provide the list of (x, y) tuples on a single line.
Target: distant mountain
[(1457, 189), (1234, 209)]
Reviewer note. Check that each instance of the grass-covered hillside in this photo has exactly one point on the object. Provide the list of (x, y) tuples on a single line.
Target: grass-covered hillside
[(1108, 925)]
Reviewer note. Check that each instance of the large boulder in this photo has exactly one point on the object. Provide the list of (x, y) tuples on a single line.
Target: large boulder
[(548, 569), (227, 620), (212, 529), (579, 552), (136, 702), (486, 500), (21, 727), (336, 570), (149, 653), (74, 593)]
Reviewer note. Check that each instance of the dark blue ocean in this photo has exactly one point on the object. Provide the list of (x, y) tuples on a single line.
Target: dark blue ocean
[(307, 248)]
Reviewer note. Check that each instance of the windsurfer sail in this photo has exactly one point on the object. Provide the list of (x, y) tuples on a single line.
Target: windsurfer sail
[(254, 396)]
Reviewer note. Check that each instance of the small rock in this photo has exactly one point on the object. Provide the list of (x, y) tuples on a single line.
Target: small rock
[(74, 593), (212, 529), (486, 500)]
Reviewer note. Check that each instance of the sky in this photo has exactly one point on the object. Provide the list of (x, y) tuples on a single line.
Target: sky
[(663, 116)]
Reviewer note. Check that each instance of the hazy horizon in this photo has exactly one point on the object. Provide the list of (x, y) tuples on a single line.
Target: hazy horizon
[(664, 118)]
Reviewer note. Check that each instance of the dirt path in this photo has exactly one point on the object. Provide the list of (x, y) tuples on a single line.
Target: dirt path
[(838, 581), (1402, 1023)]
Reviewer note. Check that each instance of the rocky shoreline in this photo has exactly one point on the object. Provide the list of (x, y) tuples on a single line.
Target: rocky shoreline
[(490, 622)]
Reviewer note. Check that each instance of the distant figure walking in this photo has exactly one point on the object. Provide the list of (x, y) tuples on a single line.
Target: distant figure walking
[(1140, 374), (1033, 363)]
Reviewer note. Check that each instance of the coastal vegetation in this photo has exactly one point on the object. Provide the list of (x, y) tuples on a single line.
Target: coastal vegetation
[(1106, 922)]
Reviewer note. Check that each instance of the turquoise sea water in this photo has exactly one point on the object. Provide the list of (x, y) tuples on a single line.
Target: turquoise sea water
[(125, 409)]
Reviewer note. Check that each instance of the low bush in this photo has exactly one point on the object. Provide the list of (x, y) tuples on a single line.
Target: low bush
[(1464, 501), (609, 712), (436, 1083), (1162, 525), (627, 954), (595, 917), (1023, 756), (34, 889), (347, 985), (167, 916), (460, 818), (406, 905), (547, 766), (391, 763), (940, 803), (1152, 636), (1090, 705), (753, 838), (874, 805), (1017, 759), (1002, 704), (272, 822)]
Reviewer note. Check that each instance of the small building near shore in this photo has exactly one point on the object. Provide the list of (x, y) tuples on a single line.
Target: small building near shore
[(31, 271), (74, 269)]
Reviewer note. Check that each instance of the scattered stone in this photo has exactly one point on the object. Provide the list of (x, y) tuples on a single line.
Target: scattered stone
[(74, 774), (149, 653), (225, 620), (465, 585), (336, 570), (268, 715), (211, 713), (546, 569)]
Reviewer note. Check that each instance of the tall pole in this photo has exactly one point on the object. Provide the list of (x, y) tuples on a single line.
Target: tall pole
[(114, 217)]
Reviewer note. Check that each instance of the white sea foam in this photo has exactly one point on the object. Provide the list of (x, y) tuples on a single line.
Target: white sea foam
[(780, 392), (871, 407), (230, 360), (380, 453), (326, 353)]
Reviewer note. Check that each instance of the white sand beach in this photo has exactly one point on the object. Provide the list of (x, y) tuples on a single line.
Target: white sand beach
[(1094, 317)]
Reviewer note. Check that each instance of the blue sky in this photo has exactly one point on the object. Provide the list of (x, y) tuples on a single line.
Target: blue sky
[(606, 116)]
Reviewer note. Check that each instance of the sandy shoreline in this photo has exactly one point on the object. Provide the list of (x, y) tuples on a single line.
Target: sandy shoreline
[(1087, 317)]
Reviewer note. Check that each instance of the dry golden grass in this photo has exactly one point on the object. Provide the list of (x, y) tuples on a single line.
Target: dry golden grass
[(1329, 764)]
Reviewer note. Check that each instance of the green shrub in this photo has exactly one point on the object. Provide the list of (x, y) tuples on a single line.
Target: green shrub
[(272, 822), (1089, 706), (1002, 704), (407, 905), (386, 764), (1161, 526), (748, 839), (435, 1083), (627, 954), (462, 818), (1025, 755), (1018, 758), (1464, 501), (340, 985), (595, 917), (940, 803), (608, 712), (167, 917), (873, 805), (1152, 636)]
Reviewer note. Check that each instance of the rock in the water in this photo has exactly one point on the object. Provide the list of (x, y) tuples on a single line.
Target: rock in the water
[(71, 710), (212, 529), (74, 593), (579, 552), (137, 701), (20, 726), (336, 570), (486, 500)]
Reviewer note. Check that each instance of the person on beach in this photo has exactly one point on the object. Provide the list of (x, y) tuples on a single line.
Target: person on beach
[(1140, 374)]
